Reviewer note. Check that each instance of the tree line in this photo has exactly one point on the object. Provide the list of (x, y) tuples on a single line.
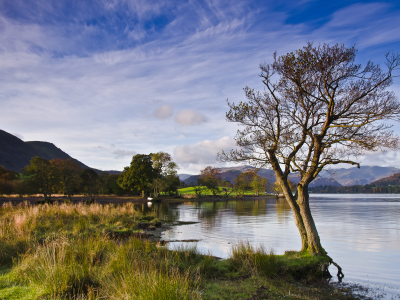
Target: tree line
[(153, 173), (211, 181), (356, 189)]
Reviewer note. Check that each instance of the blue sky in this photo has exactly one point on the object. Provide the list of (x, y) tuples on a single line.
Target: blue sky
[(104, 80)]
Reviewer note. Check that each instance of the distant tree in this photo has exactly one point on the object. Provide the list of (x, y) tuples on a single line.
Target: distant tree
[(7, 178), (89, 179), (162, 162), (158, 185), (227, 187), (210, 178), (138, 176), (259, 184), (108, 184), (6, 187), (243, 182), (199, 190), (277, 188), (173, 183), (42, 175), (319, 108), (8, 175), (67, 172)]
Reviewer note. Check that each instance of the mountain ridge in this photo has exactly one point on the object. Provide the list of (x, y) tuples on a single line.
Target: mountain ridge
[(336, 177), (15, 154), (230, 173)]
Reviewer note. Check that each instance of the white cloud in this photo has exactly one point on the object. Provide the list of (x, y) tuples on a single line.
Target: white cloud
[(203, 152), (123, 153), (189, 117), (163, 112), (92, 96)]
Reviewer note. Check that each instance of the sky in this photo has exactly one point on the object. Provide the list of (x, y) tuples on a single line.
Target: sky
[(107, 79)]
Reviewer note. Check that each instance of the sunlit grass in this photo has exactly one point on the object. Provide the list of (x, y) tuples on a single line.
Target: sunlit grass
[(248, 259), (205, 192), (75, 251)]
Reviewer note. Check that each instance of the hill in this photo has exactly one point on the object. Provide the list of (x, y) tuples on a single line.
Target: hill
[(359, 176), (387, 181), (231, 173), (16, 154)]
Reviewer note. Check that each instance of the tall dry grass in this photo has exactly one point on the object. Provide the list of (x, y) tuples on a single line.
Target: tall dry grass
[(24, 225), (104, 268), (65, 251)]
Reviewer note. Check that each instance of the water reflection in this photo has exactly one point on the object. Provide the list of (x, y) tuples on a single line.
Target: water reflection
[(361, 232)]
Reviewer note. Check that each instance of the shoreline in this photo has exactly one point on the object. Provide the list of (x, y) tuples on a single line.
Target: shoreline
[(126, 199)]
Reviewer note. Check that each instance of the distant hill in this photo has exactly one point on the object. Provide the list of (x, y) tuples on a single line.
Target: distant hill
[(387, 181), (359, 176), (182, 177), (231, 173), (16, 154)]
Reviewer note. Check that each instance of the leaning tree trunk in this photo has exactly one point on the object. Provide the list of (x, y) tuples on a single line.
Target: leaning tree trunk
[(298, 220), (314, 245)]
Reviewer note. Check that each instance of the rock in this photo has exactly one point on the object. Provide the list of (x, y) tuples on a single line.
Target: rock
[(144, 225)]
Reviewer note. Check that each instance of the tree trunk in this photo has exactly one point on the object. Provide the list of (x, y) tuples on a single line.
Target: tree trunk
[(49, 192), (68, 194), (298, 220), (314, 245)]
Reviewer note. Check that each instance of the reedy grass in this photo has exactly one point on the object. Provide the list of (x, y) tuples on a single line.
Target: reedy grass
[(67, 251), (22, 226), (101, 267), (249, 260)]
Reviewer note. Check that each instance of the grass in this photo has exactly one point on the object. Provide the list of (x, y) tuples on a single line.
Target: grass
[(191, 191), (72, 251)]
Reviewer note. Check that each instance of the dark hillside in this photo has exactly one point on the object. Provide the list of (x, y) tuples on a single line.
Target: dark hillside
[(359, 176), (16, 154), (387, 181)]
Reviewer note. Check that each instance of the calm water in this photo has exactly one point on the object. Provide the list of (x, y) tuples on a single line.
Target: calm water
[(360, 232)]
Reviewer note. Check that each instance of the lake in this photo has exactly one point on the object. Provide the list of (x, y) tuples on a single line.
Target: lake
[(361, 232)]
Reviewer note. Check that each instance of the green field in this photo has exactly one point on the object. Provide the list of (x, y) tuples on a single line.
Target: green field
[(205, 192)]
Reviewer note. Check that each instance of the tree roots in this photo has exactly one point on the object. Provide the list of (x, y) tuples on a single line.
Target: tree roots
[(340, 274)]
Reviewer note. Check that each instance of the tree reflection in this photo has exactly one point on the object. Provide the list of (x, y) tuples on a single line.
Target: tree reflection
[(282, 209)]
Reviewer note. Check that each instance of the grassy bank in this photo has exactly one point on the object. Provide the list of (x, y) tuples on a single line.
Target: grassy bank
[(77, 251), (205, 192)]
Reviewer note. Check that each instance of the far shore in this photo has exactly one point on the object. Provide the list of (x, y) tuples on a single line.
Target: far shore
[(107, 199)]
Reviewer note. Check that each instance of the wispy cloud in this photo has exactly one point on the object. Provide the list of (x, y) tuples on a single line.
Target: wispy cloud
[(201, 154), (123, 153), (189, 117), (117, 72), (163, 112)]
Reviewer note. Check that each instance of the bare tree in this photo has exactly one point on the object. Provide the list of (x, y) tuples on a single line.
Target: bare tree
[(318, 109)]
